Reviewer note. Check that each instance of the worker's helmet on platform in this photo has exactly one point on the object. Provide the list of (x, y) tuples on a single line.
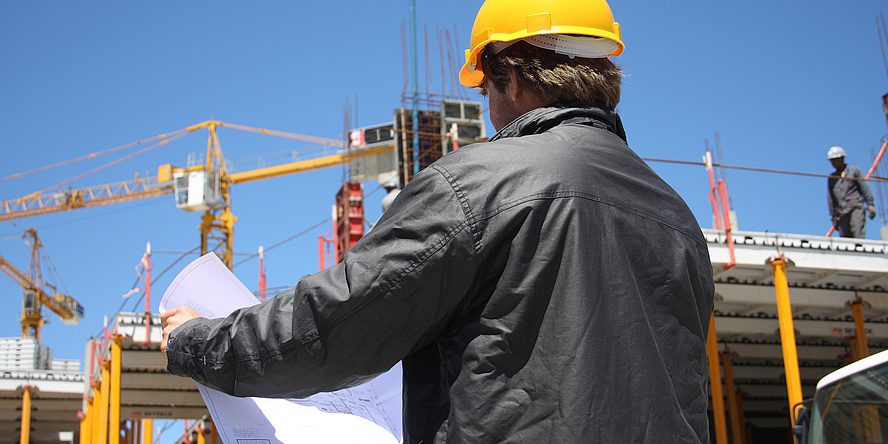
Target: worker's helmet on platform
[(577, 28), (835, 152)]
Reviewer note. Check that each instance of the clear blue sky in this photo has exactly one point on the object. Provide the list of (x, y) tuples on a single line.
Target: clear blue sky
[(780, 81)]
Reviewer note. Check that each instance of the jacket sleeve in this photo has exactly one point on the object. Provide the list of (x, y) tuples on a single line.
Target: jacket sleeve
[(830, 201), (395, 292), (864, 187)]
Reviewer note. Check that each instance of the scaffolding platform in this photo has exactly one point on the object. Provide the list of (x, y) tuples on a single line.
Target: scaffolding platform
[(823, 275), (56, 395)]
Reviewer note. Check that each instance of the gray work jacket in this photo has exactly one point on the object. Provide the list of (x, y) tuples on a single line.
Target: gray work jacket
[(844, 193), (546, 286)]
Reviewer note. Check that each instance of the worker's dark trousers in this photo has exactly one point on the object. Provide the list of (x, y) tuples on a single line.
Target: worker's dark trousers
[(853, 224)]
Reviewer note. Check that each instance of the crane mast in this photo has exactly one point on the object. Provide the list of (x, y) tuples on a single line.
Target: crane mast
[(36, 293), (217, 223)]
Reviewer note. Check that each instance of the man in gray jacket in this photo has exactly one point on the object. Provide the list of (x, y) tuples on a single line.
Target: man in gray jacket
[(546, 286), (846, 194)]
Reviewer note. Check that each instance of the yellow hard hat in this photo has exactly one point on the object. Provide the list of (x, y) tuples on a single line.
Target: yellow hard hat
[(510, 20)]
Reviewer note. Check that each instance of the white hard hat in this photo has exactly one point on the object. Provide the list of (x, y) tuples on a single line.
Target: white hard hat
[(389, 198), (835, 153)]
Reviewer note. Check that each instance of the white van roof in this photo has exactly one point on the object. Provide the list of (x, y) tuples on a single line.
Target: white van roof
[(854, 367)]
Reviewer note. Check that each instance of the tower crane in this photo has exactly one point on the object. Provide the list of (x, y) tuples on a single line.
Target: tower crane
[(197, 188), (36, 293)]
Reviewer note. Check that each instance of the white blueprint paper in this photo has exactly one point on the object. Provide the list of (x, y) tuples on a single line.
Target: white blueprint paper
[(368, 413)]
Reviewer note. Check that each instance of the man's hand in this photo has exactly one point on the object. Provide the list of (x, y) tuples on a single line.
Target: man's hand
[(172, 319), (872, 211)]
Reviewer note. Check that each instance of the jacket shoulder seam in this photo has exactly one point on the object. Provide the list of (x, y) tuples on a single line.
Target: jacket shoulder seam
[(421, 259), (413, 266), (471, 220)]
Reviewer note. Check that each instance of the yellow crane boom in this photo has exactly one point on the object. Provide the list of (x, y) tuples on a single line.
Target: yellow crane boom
[(36, 293), (217, 222), (305, 165), (36, 204)]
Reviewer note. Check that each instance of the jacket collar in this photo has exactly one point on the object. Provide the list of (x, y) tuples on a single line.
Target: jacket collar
[(546, 117)]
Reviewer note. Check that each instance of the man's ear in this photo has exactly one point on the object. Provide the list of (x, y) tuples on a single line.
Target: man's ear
[(514, 86)]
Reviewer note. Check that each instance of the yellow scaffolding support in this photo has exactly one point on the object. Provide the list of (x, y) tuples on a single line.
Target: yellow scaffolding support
[(25, 436), (95, 408), (86, 422), (102, 429), (148, 431), (733, 405), (859, 329), (787, 335), (114, 421), (745, 429), (136, 426), (715, 385)]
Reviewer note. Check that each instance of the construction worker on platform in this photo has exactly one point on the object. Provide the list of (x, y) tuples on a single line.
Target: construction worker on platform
[(848, 196), (545, 286)]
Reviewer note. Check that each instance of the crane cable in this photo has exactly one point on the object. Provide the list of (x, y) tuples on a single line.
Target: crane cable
[(251, 256), (183, 255), (165, 139), (130, 156), (156, 277), (286, 135), (53, 271), (100, 153), (764, 170), (54, 275), (305, 231)]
